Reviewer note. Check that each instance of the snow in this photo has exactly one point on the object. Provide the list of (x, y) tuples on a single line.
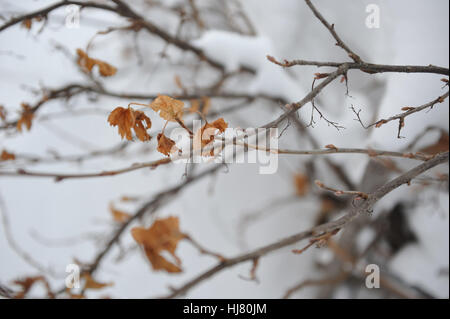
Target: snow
[(234, 50)]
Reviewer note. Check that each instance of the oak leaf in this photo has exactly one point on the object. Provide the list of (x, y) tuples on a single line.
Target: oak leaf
[(128, 119), (26, 117), (169, 109), (166, 145), (164, 234), (87, 63)]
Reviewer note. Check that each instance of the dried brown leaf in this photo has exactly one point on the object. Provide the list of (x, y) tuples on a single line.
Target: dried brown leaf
[(6, 156), (166, 146), (127, 119), (301, 182), (169, 109), (26, 117), (164, 234), (91, 283), (87, 63), (118, 215)]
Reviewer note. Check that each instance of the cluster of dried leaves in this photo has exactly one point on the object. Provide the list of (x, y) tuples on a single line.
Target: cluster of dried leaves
[(171, 110)]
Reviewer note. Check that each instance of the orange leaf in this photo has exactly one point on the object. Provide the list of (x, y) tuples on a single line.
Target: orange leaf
[(166, 146), (90, 283), (7, 156), (28, 282), (118, 215), (301, 184), (27, 23), (206, 134), (164, 234), (169, 109), (127, 119), (87, 63), (26, 117), (139, 128)]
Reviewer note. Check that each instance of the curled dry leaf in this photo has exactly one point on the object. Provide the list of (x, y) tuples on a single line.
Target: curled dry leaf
[(205, 135), (169, 109), (90, 283), (301, 184), (6, 156), (164, 234), (118, 215), (166, 146), (128, 119), (87, 63), (26, 117), (141, 124)]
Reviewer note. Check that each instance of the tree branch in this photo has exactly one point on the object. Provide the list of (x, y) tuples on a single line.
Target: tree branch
[(362, 207)]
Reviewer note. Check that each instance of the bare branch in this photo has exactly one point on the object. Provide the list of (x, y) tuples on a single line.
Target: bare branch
[(362, 207)]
